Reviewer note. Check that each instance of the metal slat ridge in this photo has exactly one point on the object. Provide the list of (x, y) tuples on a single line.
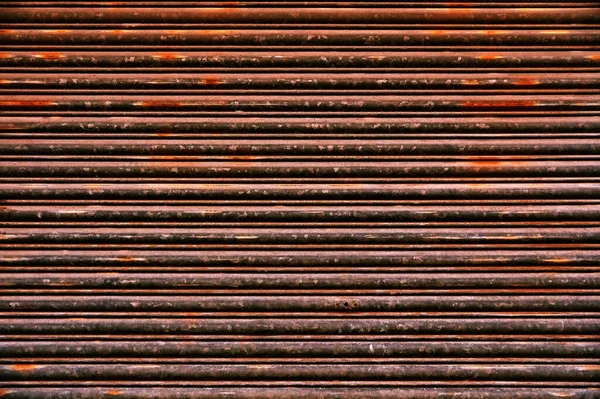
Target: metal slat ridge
[(284, 199)]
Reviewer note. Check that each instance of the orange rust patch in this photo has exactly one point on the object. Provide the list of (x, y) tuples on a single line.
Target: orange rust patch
[(126, 259), (437, 32), (49, 56), (526, 81), (211, 81), (163, 134), (4, 391), (114, 392), (470, 82), (215, 32), (595, 57), (491, 32), (170, 56), (59, 31), (554, 32), (501, 104), (24, 367), (558, 260), (489, 57), (6, 55)]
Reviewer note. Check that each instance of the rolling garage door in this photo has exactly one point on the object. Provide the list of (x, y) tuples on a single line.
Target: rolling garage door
[(316, 199)]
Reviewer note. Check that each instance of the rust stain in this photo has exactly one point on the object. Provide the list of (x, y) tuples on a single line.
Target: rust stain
[(489, 57), (49, 56), (555, 32), (526, 81), (491, 32), (24, 367), (6, 55), (170, 56), (558, 260), (437, 32), (211, 81), (595, 57), (114, 392), (59, 31), (591, 367), (4, 391)]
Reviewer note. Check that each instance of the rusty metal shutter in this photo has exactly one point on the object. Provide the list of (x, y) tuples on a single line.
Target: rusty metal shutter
[(313, 199)]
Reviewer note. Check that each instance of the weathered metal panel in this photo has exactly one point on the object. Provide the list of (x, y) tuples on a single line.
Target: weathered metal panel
[(284, 199)]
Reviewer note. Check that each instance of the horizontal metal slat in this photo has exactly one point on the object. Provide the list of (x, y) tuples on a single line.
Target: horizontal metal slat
[(325, 82), (303, 15), (298, 37), (438, 61)]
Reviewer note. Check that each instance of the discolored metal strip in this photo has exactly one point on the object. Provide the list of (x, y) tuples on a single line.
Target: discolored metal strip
[(300, 15), (301, 235), (300, 349), (406, 214), (297, 37), (300, 192), (299, 103), (222, 305), (437, 61), (305, 372), (265, 327), (346, 126), (324, 82), (212, 148), (237, 280), (304, 393)]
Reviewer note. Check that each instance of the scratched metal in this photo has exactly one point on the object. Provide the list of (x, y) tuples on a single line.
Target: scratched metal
[(285, 199)]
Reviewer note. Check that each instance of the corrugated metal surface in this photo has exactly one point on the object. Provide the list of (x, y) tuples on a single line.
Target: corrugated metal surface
[(314, 199)]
